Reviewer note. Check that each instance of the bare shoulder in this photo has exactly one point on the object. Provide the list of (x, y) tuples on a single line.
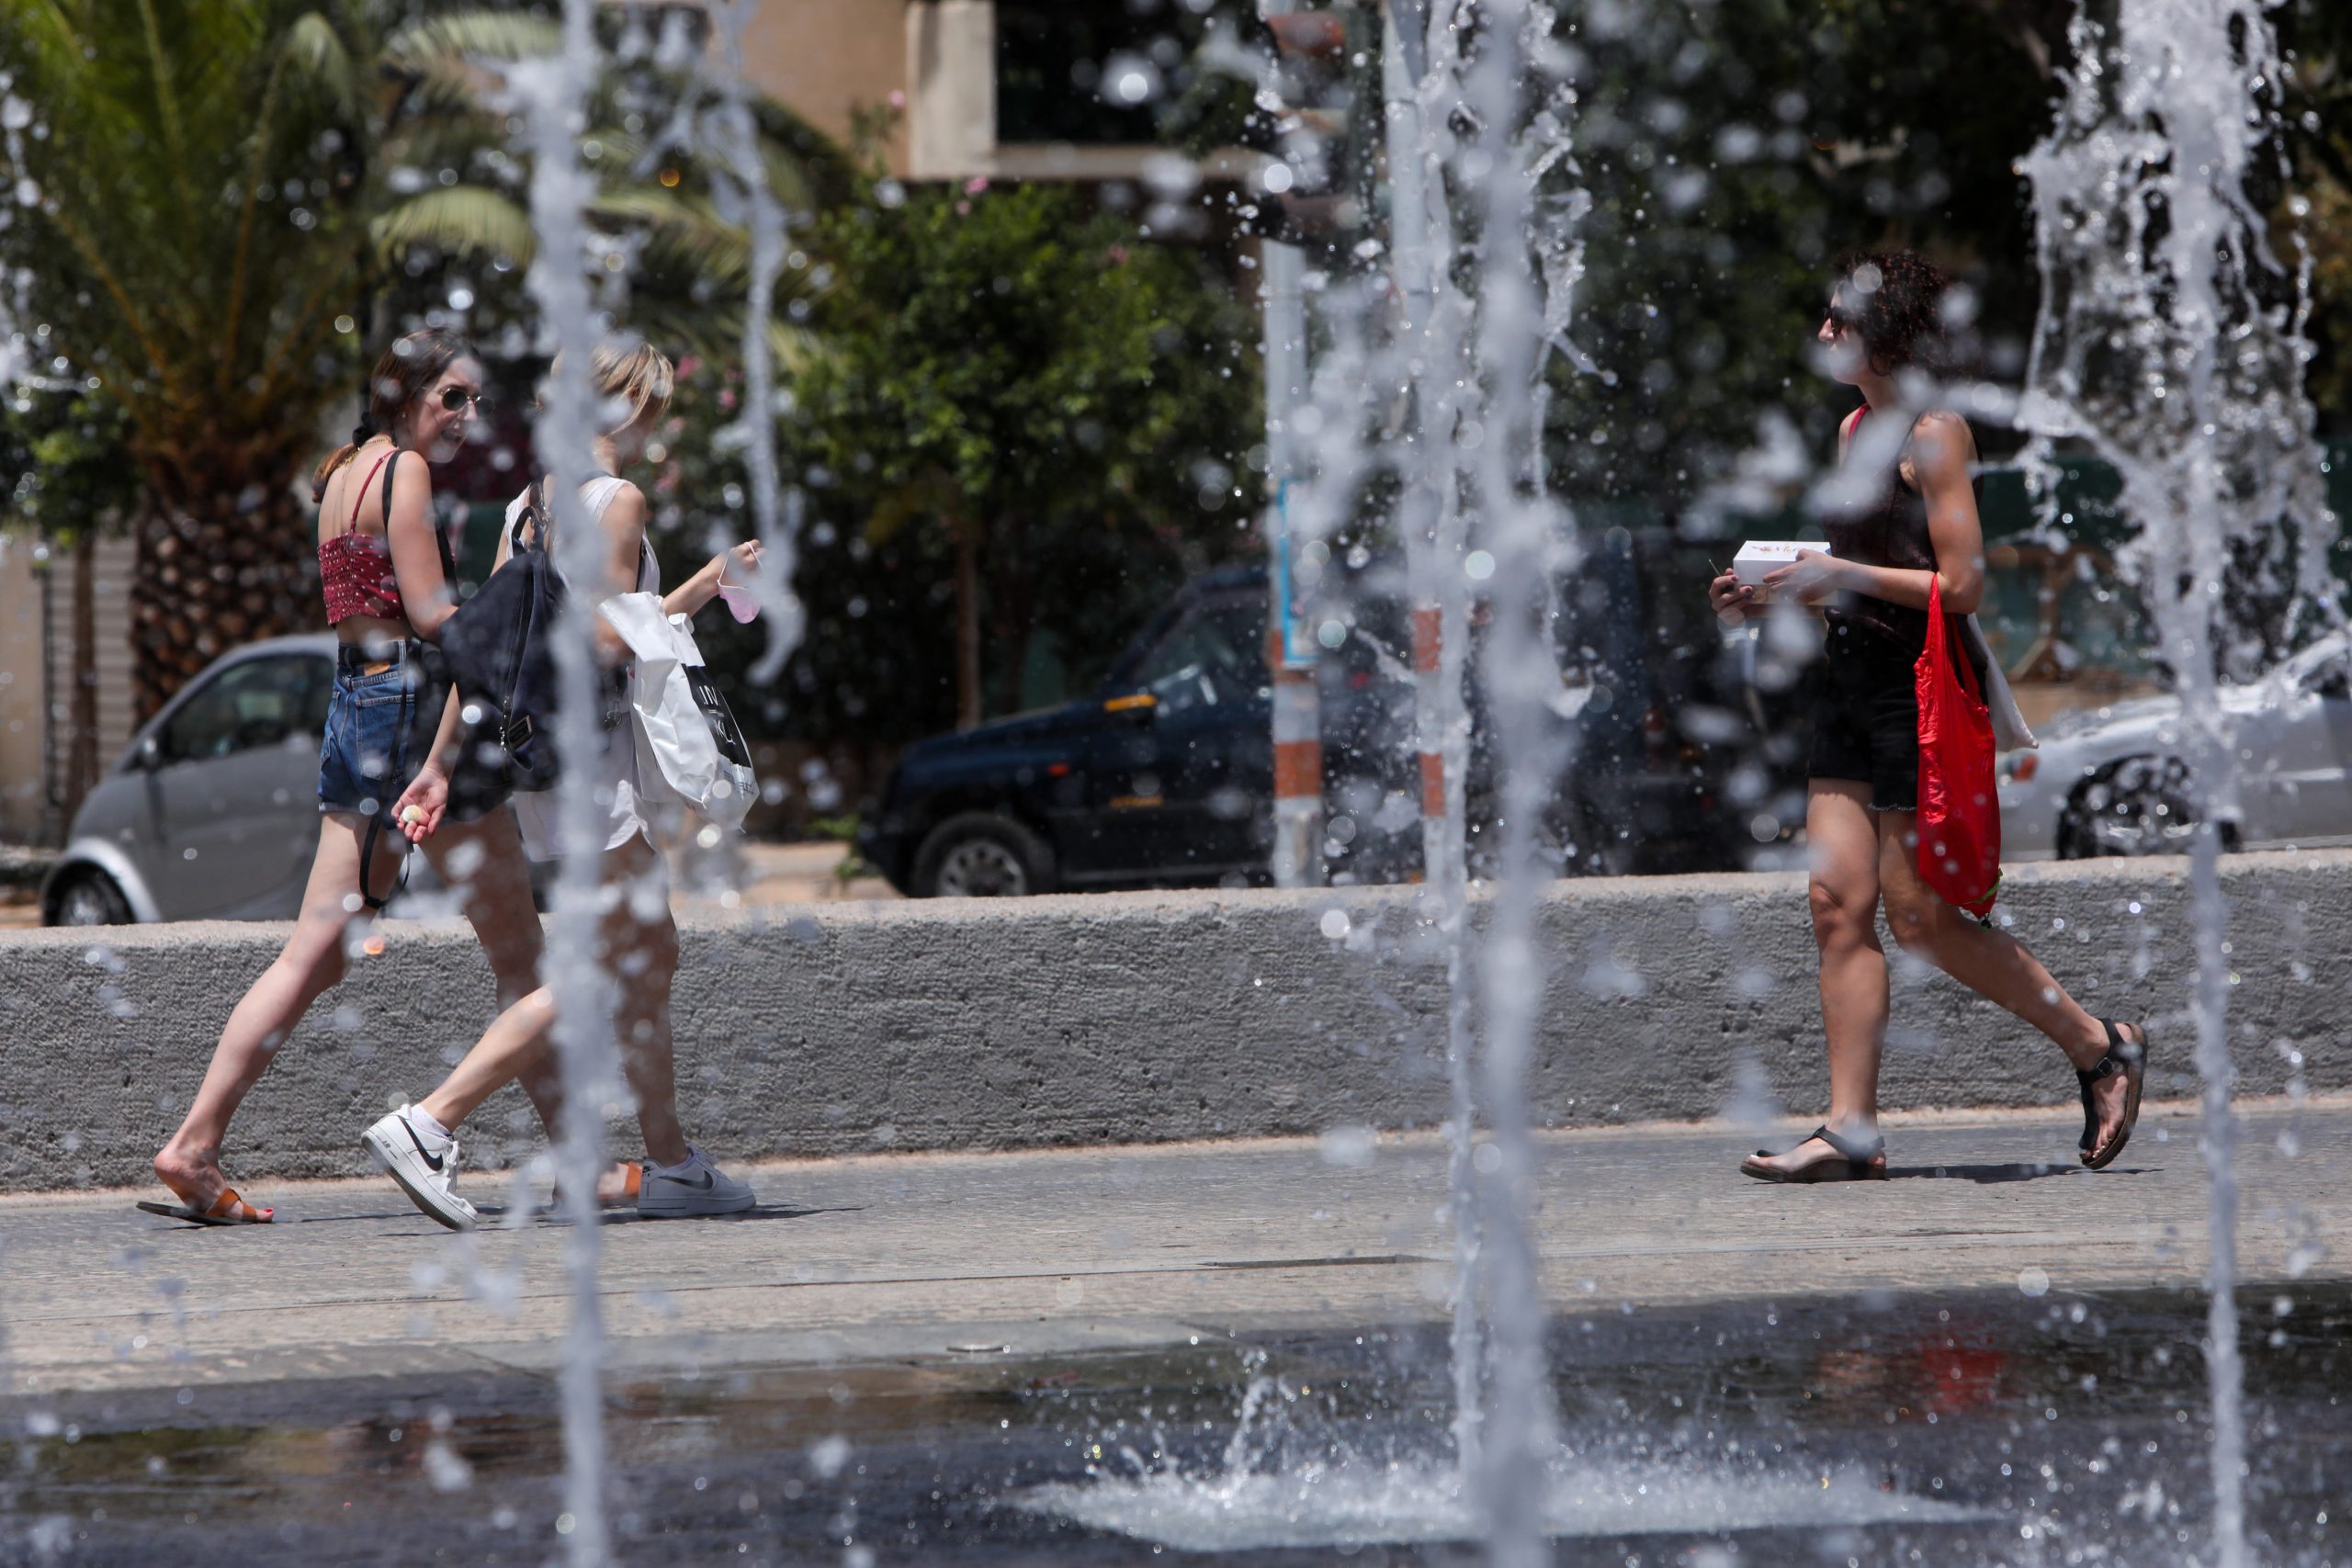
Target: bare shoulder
[(1941, 436), (411, 482), (626, 512)]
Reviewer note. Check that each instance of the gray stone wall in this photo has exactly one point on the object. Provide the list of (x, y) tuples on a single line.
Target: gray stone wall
[(1108, 1018)]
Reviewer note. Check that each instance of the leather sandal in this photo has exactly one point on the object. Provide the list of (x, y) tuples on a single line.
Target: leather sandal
[(226, 1210), (1860, 1161), (2130, 1058)]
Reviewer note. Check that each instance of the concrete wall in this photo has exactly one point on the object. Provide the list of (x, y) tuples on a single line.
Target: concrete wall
[(1143, 1017), (830, 59)]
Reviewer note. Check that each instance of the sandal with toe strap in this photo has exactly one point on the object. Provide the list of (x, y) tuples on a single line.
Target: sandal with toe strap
[(1858, 1161), (2128, 1058), (226, 1210)]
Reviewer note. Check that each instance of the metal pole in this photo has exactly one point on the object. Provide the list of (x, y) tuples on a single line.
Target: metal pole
[(1297, 722), (1409, 251)]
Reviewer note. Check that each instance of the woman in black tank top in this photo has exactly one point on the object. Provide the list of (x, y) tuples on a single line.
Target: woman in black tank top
[(1901, 518)]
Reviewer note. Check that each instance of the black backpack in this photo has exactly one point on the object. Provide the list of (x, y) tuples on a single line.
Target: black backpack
[(500, 651)]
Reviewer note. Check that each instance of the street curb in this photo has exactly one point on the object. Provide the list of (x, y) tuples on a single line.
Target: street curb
[(1150, 1017)]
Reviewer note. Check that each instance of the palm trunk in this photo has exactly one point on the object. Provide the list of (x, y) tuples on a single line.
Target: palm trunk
[(967, 622), (224, 558), (82, 752)]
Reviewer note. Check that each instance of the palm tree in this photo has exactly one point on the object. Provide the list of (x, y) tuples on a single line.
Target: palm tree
[(202, 191), (452, 188)]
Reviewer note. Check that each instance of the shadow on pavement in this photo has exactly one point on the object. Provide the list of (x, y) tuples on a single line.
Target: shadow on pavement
[(1987, 1174)]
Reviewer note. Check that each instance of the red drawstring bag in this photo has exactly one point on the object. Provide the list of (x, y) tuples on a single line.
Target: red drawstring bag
[(1960, 808)]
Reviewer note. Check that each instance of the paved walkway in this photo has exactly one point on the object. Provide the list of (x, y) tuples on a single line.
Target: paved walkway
[(891, 1255)]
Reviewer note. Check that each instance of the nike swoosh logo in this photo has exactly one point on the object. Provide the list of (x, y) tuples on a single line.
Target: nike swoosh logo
[(705, 1185), (429, 1157)]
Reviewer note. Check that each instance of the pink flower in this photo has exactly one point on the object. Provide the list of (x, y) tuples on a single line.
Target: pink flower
[(688, 363), (727, 398), (963, 209), (976, 185), (897, 97), (1118, 254)]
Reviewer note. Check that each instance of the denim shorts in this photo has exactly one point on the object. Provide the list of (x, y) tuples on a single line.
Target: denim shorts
[(379, 728)]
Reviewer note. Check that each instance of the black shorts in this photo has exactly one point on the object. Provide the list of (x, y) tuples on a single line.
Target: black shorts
[(1866, 729)]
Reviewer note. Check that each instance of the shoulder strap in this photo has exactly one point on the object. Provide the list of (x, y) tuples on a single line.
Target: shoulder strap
[(1846, 431), (391, 466), (534, 501), (440, 535), (362, 500)]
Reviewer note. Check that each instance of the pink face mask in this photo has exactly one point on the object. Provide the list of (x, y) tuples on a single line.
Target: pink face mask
[(740, 602)]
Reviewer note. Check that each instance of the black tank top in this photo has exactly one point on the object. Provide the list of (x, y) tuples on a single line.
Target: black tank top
[(1889, 530)]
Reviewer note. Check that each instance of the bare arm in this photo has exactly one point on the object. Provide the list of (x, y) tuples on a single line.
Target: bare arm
[(624, 545), (1941, 450), (416, 554), (702, 587)]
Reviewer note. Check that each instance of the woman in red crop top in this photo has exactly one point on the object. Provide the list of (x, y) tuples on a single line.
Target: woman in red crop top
[(385, 570)]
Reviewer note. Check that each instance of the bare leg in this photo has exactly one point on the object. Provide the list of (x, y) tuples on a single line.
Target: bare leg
[(641, 944), (1844, 892), (642, 955), (1993, 964), (514, 1038), (311, 962), (483, 861)]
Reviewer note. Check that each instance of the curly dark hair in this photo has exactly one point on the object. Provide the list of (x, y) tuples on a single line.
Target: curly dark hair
[(1894, 298)]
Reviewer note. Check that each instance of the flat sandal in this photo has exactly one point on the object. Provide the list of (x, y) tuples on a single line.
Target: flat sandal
[(1861, 1162), (2128, 1057)]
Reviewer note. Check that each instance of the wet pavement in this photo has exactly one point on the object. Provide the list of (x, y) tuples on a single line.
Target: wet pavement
[(1973, 1428), (1043, 1357)]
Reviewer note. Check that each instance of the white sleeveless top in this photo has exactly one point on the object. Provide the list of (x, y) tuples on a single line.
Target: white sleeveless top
[(620, 807)]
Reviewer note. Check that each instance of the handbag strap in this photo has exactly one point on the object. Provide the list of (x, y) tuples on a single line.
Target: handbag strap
[(1947, 632)]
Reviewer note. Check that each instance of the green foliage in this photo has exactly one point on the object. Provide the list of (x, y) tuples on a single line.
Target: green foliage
[(61, 461), (2317, 35), (194, 223), (223, 192), (450, 194), (1732, 150), (1007, 363)]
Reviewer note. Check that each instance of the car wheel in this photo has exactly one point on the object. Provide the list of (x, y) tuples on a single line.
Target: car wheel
[(982, 855), (89, 899), (2139, 806)]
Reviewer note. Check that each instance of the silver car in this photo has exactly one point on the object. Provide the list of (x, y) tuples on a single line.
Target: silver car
[(212, 811), (2114, 781)]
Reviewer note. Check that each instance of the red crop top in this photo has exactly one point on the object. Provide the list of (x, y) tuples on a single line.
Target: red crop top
[(356, 569)]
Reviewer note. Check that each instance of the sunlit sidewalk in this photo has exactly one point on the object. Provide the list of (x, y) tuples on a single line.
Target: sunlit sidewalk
[(929, 1255)]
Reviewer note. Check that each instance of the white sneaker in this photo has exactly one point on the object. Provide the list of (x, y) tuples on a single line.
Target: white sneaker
[(694, 1187), (424, 1164)]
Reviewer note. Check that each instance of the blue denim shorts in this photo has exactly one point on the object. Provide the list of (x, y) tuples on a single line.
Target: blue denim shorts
[(378, 727)]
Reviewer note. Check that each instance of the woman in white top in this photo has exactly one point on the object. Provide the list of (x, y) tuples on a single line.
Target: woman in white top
[(638, 940)]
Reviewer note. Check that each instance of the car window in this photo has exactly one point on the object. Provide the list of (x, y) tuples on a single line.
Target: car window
[(1214, 655), (261, 702)]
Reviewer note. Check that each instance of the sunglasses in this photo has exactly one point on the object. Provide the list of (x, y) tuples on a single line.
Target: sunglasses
[(455, 397)]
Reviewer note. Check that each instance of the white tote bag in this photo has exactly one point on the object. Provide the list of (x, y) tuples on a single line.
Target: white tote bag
[(684, 732)]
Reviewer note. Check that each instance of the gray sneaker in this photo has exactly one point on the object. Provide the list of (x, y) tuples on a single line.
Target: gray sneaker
[(424, 1164), (691, 1190)]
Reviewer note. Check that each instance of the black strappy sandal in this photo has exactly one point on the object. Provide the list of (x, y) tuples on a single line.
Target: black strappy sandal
[(1861, 1162), (2128, 1057)]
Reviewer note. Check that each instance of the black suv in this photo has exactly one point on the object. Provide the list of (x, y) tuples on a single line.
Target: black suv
[(1165, 774)]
